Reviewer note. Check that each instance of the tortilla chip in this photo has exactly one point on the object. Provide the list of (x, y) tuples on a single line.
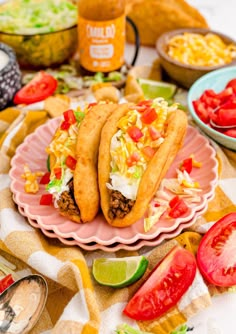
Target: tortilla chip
[(155, 17), (56, 105)]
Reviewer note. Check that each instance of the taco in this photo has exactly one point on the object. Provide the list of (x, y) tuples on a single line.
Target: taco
[(73, 162), (138, 145)]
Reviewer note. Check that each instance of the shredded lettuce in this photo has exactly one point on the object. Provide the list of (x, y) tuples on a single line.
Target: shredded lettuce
[(126, 329), (30, 16)]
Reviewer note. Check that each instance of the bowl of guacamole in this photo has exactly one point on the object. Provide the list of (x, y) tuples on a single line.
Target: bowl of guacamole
[(42, 32)]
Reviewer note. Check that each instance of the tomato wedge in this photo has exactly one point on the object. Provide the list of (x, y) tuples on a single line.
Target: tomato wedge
[(216, 255), (38, 89), (167, 283)]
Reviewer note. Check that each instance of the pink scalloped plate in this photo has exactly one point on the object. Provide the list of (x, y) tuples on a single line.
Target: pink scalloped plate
[(32, 152), (117, 246)]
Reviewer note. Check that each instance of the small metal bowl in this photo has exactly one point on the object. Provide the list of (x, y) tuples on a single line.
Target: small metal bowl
[(42, 50), (184, 74)]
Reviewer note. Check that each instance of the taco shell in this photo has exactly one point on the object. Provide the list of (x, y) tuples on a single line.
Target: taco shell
[(155, 171)]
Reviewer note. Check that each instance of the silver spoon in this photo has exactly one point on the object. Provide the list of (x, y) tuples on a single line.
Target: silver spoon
[(22, 304)]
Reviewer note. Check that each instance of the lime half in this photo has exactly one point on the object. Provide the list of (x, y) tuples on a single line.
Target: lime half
[(119, 272), (152, 89)]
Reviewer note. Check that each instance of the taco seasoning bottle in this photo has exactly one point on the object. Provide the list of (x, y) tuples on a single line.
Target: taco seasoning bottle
[(101, 33)]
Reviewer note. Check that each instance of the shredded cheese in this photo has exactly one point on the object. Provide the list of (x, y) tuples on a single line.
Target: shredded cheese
[(200, 50), (31, 180)]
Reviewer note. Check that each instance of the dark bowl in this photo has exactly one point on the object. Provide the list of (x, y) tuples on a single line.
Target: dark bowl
[(185, 75)]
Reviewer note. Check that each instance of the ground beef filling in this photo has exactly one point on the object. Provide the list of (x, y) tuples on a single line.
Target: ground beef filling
[(67, 202), (119, 205)]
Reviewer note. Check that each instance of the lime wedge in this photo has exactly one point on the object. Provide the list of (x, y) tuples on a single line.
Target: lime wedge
[(152, 89), (119, 272)]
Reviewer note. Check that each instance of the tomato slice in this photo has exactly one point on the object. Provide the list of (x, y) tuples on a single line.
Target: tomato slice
[(69, 116), (46, 199), (216, 255), (39, 88), (167, 283), (5, 282), (135, 133)]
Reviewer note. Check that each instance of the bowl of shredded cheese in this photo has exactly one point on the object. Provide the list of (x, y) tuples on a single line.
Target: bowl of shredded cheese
[(187, 54)]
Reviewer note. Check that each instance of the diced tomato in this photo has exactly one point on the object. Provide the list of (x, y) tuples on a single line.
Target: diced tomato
[(57, 172), (135, 133), (5, 282), (174, 201), (226, 117), (164, 287), (148, 151), (149, 115), (45, 178), (187, 165), (38, 89), (46, 199), (201, 110), (209, 97), (146, 103), (71, 162), (92, 104), (132, 159), (225, 94), (65, 125), (216, 252), (69, 116), (154, 133), (230, 132), (179, 209), (232, 84)]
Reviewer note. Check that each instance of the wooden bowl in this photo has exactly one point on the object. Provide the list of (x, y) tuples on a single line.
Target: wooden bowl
[(185, 75)]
